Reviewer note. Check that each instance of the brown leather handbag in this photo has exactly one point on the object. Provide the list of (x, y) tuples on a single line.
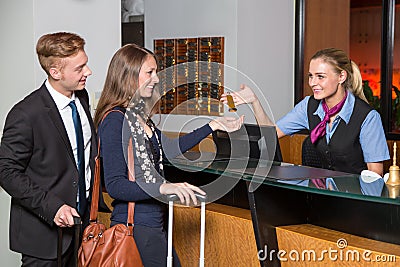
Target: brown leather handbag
[(114, 246)]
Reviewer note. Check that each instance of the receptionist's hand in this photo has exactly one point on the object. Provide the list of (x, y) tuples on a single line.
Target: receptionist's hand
[(244, 96), (228, 124)]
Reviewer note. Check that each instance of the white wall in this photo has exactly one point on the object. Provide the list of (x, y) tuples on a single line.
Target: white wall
[(17, 77), (97, 21), (182, 19), (16, 53), (191, 18), (265, 48), (21, 24), (259, 41)]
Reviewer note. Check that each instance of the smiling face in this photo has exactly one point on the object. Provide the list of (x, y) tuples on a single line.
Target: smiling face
[(71, 74), (326, 82), (148, 77)]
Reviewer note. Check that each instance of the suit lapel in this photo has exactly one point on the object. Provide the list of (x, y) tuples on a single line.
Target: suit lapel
[(55, 117)]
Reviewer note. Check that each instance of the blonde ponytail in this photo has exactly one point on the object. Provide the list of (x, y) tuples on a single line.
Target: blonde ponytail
[(357, 84)]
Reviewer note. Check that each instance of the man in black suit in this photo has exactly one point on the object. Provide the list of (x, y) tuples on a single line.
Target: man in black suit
[(39, 154)]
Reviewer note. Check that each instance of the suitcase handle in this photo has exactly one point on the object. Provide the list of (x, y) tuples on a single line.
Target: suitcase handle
[(77, 220), (200, 197), (77, 223), (173, 197)]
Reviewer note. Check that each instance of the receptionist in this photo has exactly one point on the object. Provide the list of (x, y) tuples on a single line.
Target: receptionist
[(345, 130)]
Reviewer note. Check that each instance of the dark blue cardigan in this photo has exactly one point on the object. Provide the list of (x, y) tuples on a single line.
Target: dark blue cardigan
[(148, 211)]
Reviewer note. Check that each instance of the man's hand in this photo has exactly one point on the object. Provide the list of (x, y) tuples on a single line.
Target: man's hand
[(65, 216)]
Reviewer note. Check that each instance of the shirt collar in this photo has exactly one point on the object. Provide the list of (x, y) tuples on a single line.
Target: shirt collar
[(61, 100), (344, 113)]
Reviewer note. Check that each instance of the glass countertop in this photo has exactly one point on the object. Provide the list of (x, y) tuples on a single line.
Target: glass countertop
[(295, 177)]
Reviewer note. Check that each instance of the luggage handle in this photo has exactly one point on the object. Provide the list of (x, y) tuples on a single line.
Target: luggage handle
[(77, 220), (173, 197), (200, 197), (77, 223)]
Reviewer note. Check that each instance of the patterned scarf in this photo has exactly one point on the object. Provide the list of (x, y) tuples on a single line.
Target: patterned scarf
[(145, 151), (320, 129)]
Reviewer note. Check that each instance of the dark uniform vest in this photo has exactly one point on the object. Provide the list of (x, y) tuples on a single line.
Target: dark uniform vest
[(344, 152)]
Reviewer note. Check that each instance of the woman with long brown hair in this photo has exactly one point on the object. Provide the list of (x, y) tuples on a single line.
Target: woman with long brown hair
[(129, 91)]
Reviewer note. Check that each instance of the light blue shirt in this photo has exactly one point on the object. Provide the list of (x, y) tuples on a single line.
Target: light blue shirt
[(372, 136)]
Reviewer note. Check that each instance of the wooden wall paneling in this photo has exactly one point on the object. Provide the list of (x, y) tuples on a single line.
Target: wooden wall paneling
[(195, 88), (203, 93), (159, 51), (291, 148), (327, 24), (181, 57), (193, 55), (217, 75), (170, 75)]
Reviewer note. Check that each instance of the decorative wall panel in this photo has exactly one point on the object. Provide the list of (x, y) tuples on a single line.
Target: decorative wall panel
[(191, 75)]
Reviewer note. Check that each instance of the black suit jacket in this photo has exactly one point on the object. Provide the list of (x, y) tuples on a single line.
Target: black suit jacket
[(38, 170)]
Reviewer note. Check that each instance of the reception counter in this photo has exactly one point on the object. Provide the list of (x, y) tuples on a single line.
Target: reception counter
[(300, 216)]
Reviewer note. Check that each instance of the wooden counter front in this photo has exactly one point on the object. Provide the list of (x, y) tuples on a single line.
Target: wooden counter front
[(332, 248), (229, 237)]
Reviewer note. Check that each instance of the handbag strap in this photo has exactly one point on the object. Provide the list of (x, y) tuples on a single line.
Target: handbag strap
[(131, 175), (96, 184)]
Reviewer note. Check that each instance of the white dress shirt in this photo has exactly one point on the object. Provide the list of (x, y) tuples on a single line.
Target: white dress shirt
[(62, 103)]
